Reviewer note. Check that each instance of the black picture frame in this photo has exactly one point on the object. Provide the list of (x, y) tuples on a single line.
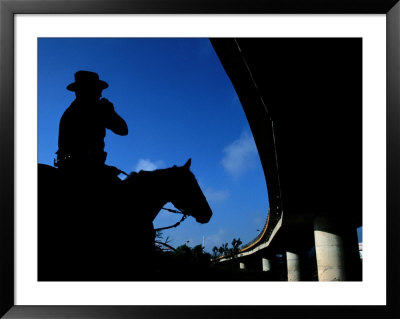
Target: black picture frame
[(9, 8)]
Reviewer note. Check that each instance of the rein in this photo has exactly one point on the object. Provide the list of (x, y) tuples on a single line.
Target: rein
[(179, 211)]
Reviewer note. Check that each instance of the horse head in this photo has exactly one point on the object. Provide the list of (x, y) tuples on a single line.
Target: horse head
[(188, 195)]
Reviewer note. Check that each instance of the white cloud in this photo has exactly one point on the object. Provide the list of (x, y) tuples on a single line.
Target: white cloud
[(240, 155), (146, 164), (216, 196)]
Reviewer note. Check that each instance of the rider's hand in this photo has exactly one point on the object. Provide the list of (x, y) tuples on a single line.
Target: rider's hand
[(111, 119), (106, 106)]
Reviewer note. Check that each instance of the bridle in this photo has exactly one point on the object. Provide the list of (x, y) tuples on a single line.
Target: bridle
[(179, 211)]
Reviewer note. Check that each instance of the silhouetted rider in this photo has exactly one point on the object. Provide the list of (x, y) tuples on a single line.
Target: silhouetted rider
[(83, 125)]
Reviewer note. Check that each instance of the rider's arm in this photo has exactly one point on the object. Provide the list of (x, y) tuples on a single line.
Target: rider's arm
[(112, 120)]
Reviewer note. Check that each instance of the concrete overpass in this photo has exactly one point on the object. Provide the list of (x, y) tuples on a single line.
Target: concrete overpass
[(303, 101)]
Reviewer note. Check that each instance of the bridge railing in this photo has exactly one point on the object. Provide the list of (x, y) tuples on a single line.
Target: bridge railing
[(272, 220)]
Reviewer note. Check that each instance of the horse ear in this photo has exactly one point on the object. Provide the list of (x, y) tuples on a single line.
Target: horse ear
[(188, 163)]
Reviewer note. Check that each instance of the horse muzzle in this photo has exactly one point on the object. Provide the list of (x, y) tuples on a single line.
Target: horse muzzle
[(203, 219)]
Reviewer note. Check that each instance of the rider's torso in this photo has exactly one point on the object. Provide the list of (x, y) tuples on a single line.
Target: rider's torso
[(82, 128)]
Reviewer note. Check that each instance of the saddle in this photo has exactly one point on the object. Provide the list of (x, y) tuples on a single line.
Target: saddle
[(90, 165), (89, 157)]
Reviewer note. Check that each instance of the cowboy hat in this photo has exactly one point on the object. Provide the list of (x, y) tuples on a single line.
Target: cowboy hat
[(85, 79)]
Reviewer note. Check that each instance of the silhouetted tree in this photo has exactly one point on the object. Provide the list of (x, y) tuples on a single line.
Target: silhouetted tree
[(224, 250), (235, 246), (195, 256), (160, 237), (215, 252)]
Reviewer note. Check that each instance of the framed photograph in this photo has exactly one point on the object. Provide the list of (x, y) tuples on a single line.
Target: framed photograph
[(308, 81)]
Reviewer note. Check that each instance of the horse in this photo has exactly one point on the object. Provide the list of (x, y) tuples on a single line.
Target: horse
[(90, 230)]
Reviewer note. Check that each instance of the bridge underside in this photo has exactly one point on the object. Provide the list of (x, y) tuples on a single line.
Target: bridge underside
[(303, 101)]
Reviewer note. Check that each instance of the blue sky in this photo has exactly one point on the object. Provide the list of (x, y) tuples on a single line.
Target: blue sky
[(178, 104)]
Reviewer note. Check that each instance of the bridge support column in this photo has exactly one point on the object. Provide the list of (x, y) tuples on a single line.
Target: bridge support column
[(336, 247), (242, 266), (329, 249), (266, 264), (294, 271)]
